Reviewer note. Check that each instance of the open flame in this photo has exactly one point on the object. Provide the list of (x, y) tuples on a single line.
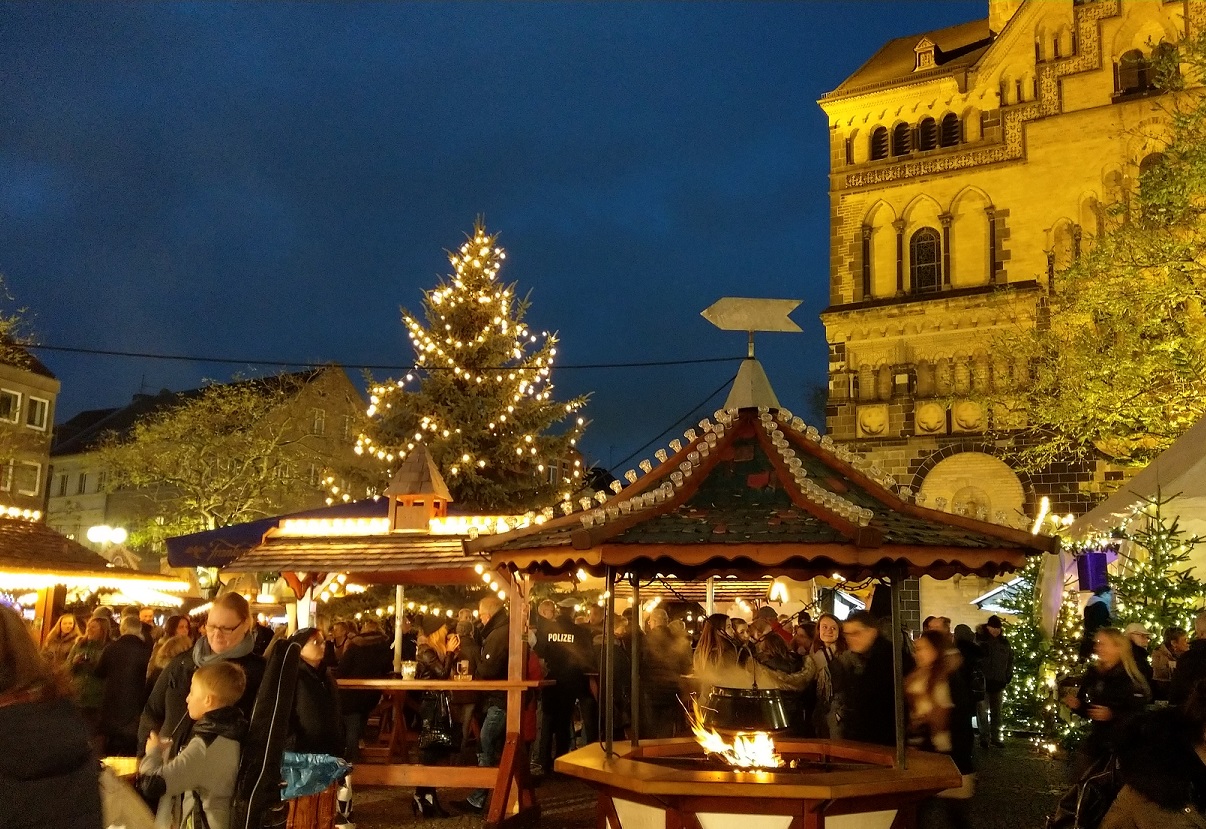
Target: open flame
[(746, 751)]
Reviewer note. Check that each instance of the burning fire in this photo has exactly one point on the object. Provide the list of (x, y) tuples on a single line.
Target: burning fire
[(746, 751)]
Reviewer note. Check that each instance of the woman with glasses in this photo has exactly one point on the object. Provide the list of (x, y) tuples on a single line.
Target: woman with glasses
[(228, 636)]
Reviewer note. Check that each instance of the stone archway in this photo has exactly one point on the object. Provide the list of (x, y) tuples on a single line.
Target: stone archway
[(975, 484)]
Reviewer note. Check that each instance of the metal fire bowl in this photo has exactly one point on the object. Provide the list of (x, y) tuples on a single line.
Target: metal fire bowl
[(877, 785), (733, 710)]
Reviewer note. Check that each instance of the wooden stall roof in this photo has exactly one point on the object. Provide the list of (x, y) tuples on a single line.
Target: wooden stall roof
[(767, 495), (32, 548), (397, 558)]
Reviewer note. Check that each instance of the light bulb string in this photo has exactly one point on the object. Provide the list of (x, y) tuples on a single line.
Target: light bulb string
[(310, 364)]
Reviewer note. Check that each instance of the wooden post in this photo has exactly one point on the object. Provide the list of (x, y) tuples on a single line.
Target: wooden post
[(635, 688), (609, 665), (711, 595), (399, 616), (898, 668), (50, 604)]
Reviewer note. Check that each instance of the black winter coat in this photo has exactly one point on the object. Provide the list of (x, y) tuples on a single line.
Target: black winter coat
[(1156, 757), (123, 667), (48, 774), (865, 685), (1115, 690), (368, 657), (317, 726), (1191, 668), (166, 706), (492, 662)]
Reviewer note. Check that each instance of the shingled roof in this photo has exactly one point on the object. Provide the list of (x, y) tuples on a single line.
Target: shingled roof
[(32, 548), (759, 492), (958, 48), (418, 475)]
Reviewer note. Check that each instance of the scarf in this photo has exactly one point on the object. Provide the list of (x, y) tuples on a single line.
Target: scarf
[(204, 655)]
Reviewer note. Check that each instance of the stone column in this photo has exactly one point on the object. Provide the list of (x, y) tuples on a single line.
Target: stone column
[(899, 227), (945, 218), (867, 230)]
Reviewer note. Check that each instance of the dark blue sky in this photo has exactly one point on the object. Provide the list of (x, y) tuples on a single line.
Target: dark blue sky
[(273, 180)]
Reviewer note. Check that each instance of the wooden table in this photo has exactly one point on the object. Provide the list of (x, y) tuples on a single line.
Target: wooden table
[(510, 782)]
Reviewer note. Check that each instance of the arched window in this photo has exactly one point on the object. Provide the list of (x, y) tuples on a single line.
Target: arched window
[(879, 143), (925, 261), (1149, 161), (1133, 71), (927, 134), (951, 132), (900, 139)]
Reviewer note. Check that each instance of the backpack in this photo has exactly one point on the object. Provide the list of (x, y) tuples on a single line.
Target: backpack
[(1084, 805)]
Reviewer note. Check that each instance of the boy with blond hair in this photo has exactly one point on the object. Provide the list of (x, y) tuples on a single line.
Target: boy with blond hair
[(195, 785)]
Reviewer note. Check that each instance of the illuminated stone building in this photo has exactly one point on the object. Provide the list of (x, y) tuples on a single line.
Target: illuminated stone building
[(28, 391), (968, 164)]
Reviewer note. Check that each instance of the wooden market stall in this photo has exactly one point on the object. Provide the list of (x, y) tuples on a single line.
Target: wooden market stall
[(413, 540), (755, 493), (34, 558)]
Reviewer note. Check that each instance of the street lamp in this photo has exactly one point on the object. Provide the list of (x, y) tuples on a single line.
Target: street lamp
[(104, 534)]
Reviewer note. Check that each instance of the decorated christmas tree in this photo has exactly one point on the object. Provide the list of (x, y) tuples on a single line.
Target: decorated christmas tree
[(1154, 583), (480, 396)]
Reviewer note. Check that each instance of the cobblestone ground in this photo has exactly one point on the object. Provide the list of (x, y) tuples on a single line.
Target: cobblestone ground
[(1017, 789)]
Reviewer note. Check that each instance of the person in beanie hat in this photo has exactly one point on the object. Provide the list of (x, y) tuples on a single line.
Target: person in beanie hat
[(997, 664), (436, 656)]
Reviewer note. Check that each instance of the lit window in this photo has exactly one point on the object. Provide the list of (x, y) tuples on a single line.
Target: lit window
[(61, 490), (82, 487), (10, 405), (318, 421), (38, 414)]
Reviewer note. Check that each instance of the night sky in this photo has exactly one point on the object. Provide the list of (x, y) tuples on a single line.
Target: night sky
[(271, 181)]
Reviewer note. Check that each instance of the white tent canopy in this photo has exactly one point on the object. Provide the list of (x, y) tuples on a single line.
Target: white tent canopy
[(1178, 471)]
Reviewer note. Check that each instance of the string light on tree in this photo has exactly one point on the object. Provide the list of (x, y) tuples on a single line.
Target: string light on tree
[(482, 402)]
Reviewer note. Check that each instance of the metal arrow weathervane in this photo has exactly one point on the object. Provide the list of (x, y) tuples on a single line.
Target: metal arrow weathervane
[(751, 387)]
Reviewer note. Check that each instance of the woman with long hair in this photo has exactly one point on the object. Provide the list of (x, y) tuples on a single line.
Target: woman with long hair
[(826, 646), (166, 649), (177, 626), (716, 658), (66, 632), (52, 781), (1111, 693), (935, 723), (436, 656)]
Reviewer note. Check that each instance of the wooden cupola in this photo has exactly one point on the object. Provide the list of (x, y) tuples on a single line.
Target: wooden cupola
[(417, 493)]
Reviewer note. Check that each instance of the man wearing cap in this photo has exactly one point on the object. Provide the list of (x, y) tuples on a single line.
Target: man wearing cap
[(996, 661), (1140, 639), (567, 649)]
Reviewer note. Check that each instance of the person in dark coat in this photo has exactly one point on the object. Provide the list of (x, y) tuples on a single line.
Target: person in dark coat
[(567, 649), (495, 650), (1160, 762), (49, 777), (665, 659), (1191, 666), (368, 657), (1111, 693), (996, 662), (1096, 617), (436, 656), (123, 668), (317, 726), (228, 635), (864, 682)]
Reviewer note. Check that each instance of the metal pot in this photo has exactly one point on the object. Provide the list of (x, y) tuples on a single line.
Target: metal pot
[(746, 709)]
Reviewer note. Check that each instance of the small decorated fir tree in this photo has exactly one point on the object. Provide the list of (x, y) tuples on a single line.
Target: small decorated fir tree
[(1155, 584), (480, 397)]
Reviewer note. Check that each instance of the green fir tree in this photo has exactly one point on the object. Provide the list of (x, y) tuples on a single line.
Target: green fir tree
[(480, 396), (1154, 584)]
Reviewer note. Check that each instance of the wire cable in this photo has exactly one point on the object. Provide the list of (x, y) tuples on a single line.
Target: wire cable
[(188, 358), (689, 413)]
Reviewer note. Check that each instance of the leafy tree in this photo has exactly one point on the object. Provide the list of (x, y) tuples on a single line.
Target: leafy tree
[(1118, 361), (480, 398), (224, 455)]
